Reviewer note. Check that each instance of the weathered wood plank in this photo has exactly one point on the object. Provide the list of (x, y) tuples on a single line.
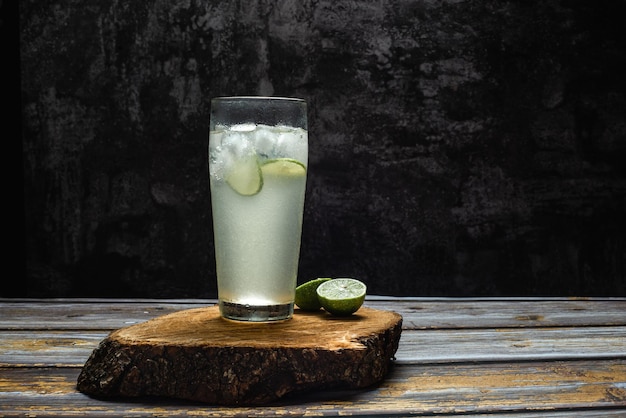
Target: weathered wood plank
[(418, 313), (509, 314), (509, 344), (73, 347), (96, 315), (486, 387), (410, 389), (48, 348), (455, 357)]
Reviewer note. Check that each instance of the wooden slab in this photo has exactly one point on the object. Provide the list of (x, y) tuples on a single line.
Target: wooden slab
[(195, 354)]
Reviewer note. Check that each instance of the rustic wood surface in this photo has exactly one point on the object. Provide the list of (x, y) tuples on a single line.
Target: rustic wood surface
[(486, 357), (196, 355)]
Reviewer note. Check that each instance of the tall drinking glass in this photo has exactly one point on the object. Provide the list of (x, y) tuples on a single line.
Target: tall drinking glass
[(258, 155)]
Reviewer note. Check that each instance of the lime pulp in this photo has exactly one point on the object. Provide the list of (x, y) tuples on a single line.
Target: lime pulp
[(246, 175), (341, 297), (283, 167)]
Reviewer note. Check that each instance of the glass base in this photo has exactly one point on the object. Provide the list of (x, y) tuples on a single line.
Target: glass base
[(255, 313)]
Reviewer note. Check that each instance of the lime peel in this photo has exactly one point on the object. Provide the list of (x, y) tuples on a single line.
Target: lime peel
[(283, 167), (306, 294), (245, 176), (342, 296)]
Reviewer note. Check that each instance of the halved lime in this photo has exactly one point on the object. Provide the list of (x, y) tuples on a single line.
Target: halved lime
[(341, 297), (283, 167), (306, 294), (245, 176)]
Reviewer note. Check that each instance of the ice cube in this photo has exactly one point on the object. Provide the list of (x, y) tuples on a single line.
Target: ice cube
[(265, 142), (226, 149), (291, 143), (243, 127), (237, 144)]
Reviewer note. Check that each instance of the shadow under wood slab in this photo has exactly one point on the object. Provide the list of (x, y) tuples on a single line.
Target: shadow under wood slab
[(195, 354)]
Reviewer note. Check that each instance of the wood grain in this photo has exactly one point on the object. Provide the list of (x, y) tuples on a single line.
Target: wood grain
[(197, 355), (542, 388), (417, 313), (72, 348), (467, 356)]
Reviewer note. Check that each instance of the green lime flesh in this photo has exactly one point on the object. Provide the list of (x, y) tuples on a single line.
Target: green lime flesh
[(245, 176), (283, 167), (341, 297)]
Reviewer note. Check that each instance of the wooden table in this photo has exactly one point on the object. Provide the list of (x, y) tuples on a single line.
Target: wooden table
[(485, 357)]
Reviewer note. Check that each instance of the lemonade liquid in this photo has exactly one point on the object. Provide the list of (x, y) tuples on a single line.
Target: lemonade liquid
[(257, 220)]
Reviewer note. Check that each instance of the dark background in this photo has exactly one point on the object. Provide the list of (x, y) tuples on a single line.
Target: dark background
[(457, 148)]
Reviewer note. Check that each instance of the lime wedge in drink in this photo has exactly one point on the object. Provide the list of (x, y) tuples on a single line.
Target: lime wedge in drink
[(306, 295), (341, 297), (283, 167), (245, 176)]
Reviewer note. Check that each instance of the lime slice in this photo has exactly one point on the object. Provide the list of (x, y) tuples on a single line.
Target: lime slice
[(283, 167), (245, 176), (306, 294), (341, 297)]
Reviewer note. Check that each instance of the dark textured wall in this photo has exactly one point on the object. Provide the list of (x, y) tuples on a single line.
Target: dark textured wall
[(456, 147)]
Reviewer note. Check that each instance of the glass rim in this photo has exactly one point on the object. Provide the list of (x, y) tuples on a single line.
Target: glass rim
[(259, 98)]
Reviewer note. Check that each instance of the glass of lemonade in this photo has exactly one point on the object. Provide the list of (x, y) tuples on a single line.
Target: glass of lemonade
[(258, 156)]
